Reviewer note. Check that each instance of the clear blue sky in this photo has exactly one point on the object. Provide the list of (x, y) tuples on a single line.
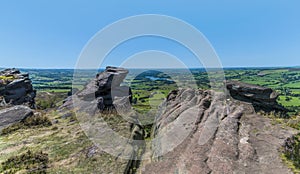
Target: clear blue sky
[(52, 33)]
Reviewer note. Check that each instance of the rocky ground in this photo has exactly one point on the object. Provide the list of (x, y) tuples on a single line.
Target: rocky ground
[(195, 131)]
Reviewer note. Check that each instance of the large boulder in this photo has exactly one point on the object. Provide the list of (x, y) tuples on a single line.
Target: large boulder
[(13, 115), (261, 97), (16, 88)]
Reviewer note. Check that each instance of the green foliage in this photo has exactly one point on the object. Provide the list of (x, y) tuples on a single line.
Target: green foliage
[(29, 122), (31, 162)]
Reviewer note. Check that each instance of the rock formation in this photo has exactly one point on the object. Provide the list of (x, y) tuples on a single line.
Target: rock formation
[(262, 98), (13, 115), (207, 132), (104, 88), (16, 88)]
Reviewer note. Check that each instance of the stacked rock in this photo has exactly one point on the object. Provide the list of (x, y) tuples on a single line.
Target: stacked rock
[(106, 86), (16, 88)]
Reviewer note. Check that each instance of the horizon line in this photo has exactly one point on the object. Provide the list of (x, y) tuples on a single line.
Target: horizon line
[(226, 67)]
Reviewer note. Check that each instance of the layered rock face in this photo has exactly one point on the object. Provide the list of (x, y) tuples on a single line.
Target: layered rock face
[(105, 87), (208, 132), (16, 88), (262, 98)]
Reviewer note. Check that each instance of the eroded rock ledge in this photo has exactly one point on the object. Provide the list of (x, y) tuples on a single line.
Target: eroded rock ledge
[(262, 98)]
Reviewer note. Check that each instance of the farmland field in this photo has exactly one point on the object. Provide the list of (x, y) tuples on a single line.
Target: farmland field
[(158, 83)]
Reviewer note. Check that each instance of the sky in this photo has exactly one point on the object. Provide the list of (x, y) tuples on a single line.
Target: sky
[(244, 33)]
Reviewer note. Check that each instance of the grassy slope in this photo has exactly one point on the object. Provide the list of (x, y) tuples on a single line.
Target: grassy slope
[(66, 144)]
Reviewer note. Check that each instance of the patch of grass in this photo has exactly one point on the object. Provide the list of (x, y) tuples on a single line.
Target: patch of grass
[(46, 100), (31, 162)]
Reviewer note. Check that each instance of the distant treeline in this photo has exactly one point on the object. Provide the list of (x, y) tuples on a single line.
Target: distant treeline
[(51, 87)]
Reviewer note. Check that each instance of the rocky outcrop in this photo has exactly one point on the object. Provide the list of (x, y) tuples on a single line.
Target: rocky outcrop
[(103, 89), (262, 98), (104, 111), (208, 132), (16, 88), (13, 115)]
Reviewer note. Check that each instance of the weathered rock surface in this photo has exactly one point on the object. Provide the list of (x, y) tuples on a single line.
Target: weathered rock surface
[(261, 97), (13, 115), (213, 133), (16, 88)]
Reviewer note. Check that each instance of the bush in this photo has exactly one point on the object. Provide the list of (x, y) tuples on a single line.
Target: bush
[(29, 161)]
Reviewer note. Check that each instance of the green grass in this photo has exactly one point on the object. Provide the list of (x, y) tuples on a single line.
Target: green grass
[(293, 85), (294, 101), (295, 91)]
